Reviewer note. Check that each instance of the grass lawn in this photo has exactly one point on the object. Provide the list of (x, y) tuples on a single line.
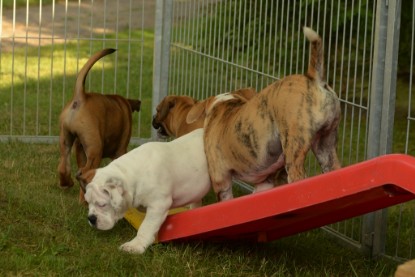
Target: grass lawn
[(36, 82), (44, 231)]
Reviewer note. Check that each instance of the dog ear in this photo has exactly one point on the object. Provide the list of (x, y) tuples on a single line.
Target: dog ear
[(168, 104), (196, 111), (134, 104), (114, 188)]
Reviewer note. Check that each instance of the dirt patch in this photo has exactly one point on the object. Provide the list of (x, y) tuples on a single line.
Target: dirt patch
[(72, 21)]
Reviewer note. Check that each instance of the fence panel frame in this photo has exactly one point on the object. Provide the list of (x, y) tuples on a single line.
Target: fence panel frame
[(382, 110), (382, 87)]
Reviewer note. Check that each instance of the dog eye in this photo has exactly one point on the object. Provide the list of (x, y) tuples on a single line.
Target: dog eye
[(101, 205)]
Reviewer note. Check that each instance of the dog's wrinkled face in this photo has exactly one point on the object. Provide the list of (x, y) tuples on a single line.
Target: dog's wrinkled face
[(107, 202), (162, 111), (168, 114)]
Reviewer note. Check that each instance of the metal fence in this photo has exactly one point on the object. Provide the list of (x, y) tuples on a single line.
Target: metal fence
[(220, 46), (205, 47), (42, 47)]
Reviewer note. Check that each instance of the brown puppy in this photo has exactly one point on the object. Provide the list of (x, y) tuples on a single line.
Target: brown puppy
[(406, 270), (170, 117), (171, 113), (252, 140), (99, 125)]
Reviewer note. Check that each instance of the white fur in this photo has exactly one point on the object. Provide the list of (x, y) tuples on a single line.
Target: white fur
[(157, 176), (223, 97), (310, 34)]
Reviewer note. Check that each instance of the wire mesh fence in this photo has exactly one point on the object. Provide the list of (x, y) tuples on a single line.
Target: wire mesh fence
[(206, 47), (220, 46), (42, 47)]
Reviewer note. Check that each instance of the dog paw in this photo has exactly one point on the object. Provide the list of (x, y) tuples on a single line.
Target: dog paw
[(133, 247)]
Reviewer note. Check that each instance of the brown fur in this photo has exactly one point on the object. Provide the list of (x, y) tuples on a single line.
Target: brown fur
[(171, 113), (99, 126), (406, 270), (253, 140), (170, 118), (86, 178)]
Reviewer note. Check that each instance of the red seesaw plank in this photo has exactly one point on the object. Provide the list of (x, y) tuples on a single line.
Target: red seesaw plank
[(289, 209)]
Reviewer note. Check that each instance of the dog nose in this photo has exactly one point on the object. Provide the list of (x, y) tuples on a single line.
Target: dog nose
[(92, 219), (154, 123)]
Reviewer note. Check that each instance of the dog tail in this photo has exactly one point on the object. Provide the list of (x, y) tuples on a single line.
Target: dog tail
[(79, 92), (316, 63)]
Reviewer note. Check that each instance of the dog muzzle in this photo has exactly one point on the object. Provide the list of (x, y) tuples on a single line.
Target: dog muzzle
[(92, 220), (161, 132)]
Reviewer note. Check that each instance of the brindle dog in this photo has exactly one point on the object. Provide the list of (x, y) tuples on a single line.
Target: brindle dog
[(251, 140)]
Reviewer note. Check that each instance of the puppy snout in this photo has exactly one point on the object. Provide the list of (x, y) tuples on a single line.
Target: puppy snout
[(155, 123), (92, 219)]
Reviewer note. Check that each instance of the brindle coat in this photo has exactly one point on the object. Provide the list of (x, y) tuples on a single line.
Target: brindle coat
[(251, 140)]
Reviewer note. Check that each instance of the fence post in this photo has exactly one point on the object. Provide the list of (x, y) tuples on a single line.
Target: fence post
[(382, 109), (162, 31)]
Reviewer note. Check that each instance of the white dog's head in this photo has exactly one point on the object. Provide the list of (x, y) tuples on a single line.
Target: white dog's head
[(107, 201)]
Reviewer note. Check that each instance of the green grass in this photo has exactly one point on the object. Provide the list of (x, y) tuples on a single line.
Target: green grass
[(31, 100), (44, 231), (207, 76)]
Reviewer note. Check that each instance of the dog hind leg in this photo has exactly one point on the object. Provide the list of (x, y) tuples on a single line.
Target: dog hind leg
[(66, 140), (325, 151), (93, 153), (81, 160), (295, 153), (93, 149), (80, 154)]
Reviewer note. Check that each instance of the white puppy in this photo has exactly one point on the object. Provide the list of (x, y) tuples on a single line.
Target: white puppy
[(157, 176)]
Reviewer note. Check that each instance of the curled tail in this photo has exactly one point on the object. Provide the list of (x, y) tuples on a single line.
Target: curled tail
[(316, 64), (79, 92)]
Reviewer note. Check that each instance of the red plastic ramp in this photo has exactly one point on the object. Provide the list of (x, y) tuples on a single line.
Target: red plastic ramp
[(300, 206)]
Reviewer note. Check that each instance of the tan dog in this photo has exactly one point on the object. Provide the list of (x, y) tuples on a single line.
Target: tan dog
[(406, 270), (99, 125), (171, 113), (252, 140), (170, 117)]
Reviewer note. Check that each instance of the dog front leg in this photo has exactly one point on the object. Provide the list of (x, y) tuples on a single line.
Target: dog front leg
[(223, 189), (266, 185), (147, 232)]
